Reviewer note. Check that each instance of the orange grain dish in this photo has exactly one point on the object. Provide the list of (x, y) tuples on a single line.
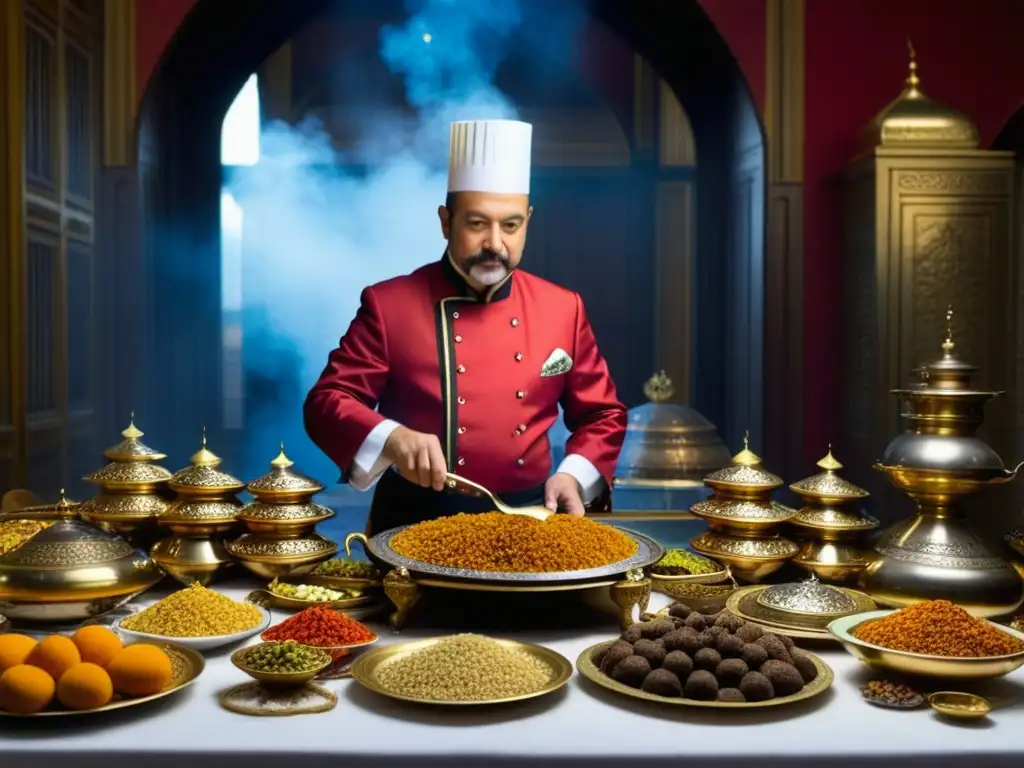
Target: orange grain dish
[(938, 628), (496, 542)]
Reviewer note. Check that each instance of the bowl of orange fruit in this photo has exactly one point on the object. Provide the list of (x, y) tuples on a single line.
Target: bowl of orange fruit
[(88, 671)]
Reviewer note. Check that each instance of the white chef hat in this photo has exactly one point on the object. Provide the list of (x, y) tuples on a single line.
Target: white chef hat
[(490, 156)]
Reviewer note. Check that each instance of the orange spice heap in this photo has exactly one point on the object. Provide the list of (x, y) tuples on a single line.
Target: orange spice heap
[(497, 542), (938, 628)]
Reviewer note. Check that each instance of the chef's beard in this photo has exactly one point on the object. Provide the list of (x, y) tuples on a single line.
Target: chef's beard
[(488, 274)]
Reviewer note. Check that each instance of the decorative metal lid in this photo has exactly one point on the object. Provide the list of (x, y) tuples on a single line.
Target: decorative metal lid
[(744, 473), (61, 509), (129, 475), (202, 477), (742, 511), (667, 444), (283, 481), (914, 119), (719, 545), (122, 505), (253, 546), (264, 512), (200, 512), (131, 448), (949, 375), (833, 519), (810, 596), (827, 486), (68, 544)]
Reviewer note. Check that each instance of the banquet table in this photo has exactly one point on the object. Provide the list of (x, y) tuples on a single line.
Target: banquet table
[(580, 725)]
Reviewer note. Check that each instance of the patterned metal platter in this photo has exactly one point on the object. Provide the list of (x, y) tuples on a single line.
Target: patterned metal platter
[(648, 552)]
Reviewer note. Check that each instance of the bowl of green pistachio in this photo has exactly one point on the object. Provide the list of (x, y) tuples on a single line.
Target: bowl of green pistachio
[(286, 663), (684, 565)]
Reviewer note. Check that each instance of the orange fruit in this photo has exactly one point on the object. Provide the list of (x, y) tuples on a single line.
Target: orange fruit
[(140, 670), (85, 686), (97, 644), (25, 690), (14, 649), (55, 655)]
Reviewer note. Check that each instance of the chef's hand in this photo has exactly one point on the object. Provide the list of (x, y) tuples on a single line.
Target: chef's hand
[(562, 490), (417, 456)]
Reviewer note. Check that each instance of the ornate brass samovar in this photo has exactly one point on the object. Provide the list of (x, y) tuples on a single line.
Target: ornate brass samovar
[(938, 462)]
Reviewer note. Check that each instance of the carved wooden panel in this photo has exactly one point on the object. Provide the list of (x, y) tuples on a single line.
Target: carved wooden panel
[(42, 308), (40, 105), (81, 331), (80, 125)]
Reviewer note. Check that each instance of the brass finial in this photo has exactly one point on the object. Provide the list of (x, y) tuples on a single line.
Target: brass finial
[(205, 457), (746, 457), (132, 432), (63, 501), (913, 81), (829, 463), (659, 388), (948, 346), (282, 461)]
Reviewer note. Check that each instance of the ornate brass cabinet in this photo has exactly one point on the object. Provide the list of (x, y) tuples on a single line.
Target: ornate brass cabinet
[(927, 224)]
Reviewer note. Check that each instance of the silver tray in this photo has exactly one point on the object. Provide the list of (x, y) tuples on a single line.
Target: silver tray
[(648, 552)]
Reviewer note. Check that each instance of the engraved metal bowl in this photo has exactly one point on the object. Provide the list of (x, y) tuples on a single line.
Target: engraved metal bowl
[(743, 478), (129, 476), (266, 517), (809, 597), (742, 514), (123, 510), (379, 549), (70, 572), (205, 481), (750, 559), (188, 515), (833, 561), (272, 556), (189, 559), (833, 522)]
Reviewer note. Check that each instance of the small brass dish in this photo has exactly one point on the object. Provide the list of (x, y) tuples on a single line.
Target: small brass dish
[(281, 678), (962, 706), (336, 651)]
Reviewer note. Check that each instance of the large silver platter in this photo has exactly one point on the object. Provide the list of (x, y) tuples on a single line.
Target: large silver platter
[(648, 552)]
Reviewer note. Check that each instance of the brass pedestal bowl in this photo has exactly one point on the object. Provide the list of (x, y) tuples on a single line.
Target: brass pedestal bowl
[(749, 559), (271, 556), (629, 587), (72, 571), (188, 559)]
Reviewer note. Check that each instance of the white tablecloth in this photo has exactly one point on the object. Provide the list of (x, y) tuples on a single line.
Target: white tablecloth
[(580, 725)]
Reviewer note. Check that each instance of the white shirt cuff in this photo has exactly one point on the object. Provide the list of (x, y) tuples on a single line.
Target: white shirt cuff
[(590, 480), (369, 464)]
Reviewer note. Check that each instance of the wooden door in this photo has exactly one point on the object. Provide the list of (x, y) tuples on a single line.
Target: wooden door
[(52, 51)]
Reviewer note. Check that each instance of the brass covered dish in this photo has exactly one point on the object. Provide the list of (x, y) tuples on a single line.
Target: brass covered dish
[(802, 609), (831, 524), (939, 461), (667, 445), (272, 557), (202, 478), (62, 509), (743, 520), (807, 597), (72, 571), (282, 484)]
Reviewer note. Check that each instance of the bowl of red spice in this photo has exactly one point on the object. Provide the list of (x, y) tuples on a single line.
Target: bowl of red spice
[(934, 638), (321, 627)]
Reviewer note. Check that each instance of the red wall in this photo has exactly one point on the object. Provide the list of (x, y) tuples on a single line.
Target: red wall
[(969, 56)]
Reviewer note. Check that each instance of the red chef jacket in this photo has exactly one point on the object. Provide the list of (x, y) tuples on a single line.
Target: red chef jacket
[(485, 375)]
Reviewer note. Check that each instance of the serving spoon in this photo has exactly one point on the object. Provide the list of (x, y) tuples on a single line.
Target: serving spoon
[(468, 487)]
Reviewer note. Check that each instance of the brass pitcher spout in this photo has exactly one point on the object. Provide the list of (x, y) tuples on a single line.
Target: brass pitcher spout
[(355, 536), (1012, 473)]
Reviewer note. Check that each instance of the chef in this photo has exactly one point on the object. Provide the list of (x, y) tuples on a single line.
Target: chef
[(461, 365)]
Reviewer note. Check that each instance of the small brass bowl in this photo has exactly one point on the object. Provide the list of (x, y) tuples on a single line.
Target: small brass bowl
[(282, 678), (336, 651), (962, 706)]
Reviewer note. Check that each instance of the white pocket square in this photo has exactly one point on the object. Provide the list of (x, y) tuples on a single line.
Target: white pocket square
[(558, 362)]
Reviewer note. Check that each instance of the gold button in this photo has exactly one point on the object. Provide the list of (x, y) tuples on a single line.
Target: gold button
[(458, 339), (516, 433), (522, 427), (460, 461), (461, 369), (515, 322), (519, 357), (455, 315), (462, 430), (462, 400), (520, 395), (520, 462)]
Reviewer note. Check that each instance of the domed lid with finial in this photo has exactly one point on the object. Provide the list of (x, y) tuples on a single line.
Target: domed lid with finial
[(62, 508), (667, 444), (132, 448), (202, 477), (744, 473), (808, 597), (827, 487), (282, 482), (913, 120)]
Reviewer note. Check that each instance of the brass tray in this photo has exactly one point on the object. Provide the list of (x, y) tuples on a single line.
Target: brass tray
[(586, 666), (186, 666), (267, 599), (743, 603), (364, 671), (379, 547)]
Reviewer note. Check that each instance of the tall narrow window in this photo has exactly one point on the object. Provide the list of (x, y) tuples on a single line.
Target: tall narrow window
[(239, 147)]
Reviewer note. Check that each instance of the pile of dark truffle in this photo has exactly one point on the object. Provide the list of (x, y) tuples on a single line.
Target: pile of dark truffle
[(707, 657)]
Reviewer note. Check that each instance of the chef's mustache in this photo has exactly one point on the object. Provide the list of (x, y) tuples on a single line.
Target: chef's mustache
[(486, 255)]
